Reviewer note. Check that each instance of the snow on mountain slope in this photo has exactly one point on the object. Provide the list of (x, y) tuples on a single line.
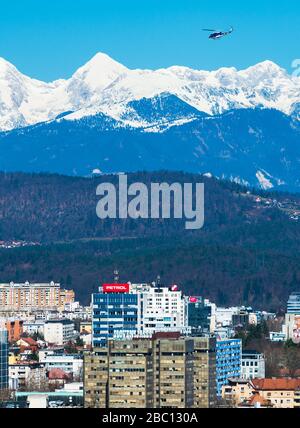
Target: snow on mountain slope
[(106, 86)]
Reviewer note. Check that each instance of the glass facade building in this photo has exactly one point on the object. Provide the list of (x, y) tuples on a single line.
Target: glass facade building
[(113, 313), (3, 360), (228, 364), (199, 316)]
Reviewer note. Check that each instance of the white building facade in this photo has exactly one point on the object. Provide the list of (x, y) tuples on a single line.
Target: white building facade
[(253, 365), (161, 309), (59, 332)]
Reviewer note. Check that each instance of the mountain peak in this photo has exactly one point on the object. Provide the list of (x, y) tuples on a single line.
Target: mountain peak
[(100, 71), (267, 67), (102, 61)]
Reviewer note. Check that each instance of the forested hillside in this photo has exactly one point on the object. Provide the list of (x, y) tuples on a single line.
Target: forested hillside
[(247, 253)]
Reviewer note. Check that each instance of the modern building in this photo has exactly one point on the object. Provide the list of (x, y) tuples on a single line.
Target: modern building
[(163, 309), (126, 310), (166, 371), (228, 363), (3, 359), (114, 310), (28, 296), (253, 365), (59, 332), (199, 316)]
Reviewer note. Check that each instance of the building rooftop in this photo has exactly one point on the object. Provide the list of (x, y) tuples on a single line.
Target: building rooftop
[(276, 384)]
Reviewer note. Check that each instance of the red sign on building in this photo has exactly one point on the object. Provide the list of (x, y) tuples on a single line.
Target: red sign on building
[(115, 288)]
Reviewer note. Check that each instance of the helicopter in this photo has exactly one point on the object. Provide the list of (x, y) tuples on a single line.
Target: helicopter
[(216, 35)]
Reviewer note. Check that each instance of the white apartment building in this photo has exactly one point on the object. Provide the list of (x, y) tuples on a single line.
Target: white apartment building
[(224, 316), (26, 375), (161, 308), (253, 365), (33, 327), (59, 332)]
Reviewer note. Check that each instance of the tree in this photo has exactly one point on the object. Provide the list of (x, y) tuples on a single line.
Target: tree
[(292, 358)]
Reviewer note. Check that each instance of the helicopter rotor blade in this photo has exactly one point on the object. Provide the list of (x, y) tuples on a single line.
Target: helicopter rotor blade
[(211, 31)]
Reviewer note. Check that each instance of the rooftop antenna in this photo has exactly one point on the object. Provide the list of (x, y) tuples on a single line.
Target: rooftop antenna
[(116, 276), (158, 281)]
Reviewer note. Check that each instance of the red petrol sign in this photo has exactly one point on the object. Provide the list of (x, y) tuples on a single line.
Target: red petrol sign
[(115, 288)]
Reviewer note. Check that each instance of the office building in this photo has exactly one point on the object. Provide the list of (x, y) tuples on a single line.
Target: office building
[(115, 311), (3, 358), (126, 310), (163, 309), (199, 316), (229, 355), (166, 371), (18, 297), (253, 365)]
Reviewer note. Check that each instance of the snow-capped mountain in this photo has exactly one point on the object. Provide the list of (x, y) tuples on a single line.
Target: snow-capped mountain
[(106, 86), (239, 125)]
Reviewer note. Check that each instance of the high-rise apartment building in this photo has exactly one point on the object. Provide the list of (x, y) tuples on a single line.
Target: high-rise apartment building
[(18, 297), (228, 363), (163, 309), (205, 384), (173, 369), (166, 371)]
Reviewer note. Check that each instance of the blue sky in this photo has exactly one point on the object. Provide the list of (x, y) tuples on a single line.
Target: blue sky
[(51, 39)]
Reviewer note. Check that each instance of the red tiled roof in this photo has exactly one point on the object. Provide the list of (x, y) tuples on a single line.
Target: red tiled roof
[(58, 374), (278, 384), (257, 399)]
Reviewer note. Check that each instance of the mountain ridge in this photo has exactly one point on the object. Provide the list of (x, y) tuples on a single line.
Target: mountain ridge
[(103, 85)]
